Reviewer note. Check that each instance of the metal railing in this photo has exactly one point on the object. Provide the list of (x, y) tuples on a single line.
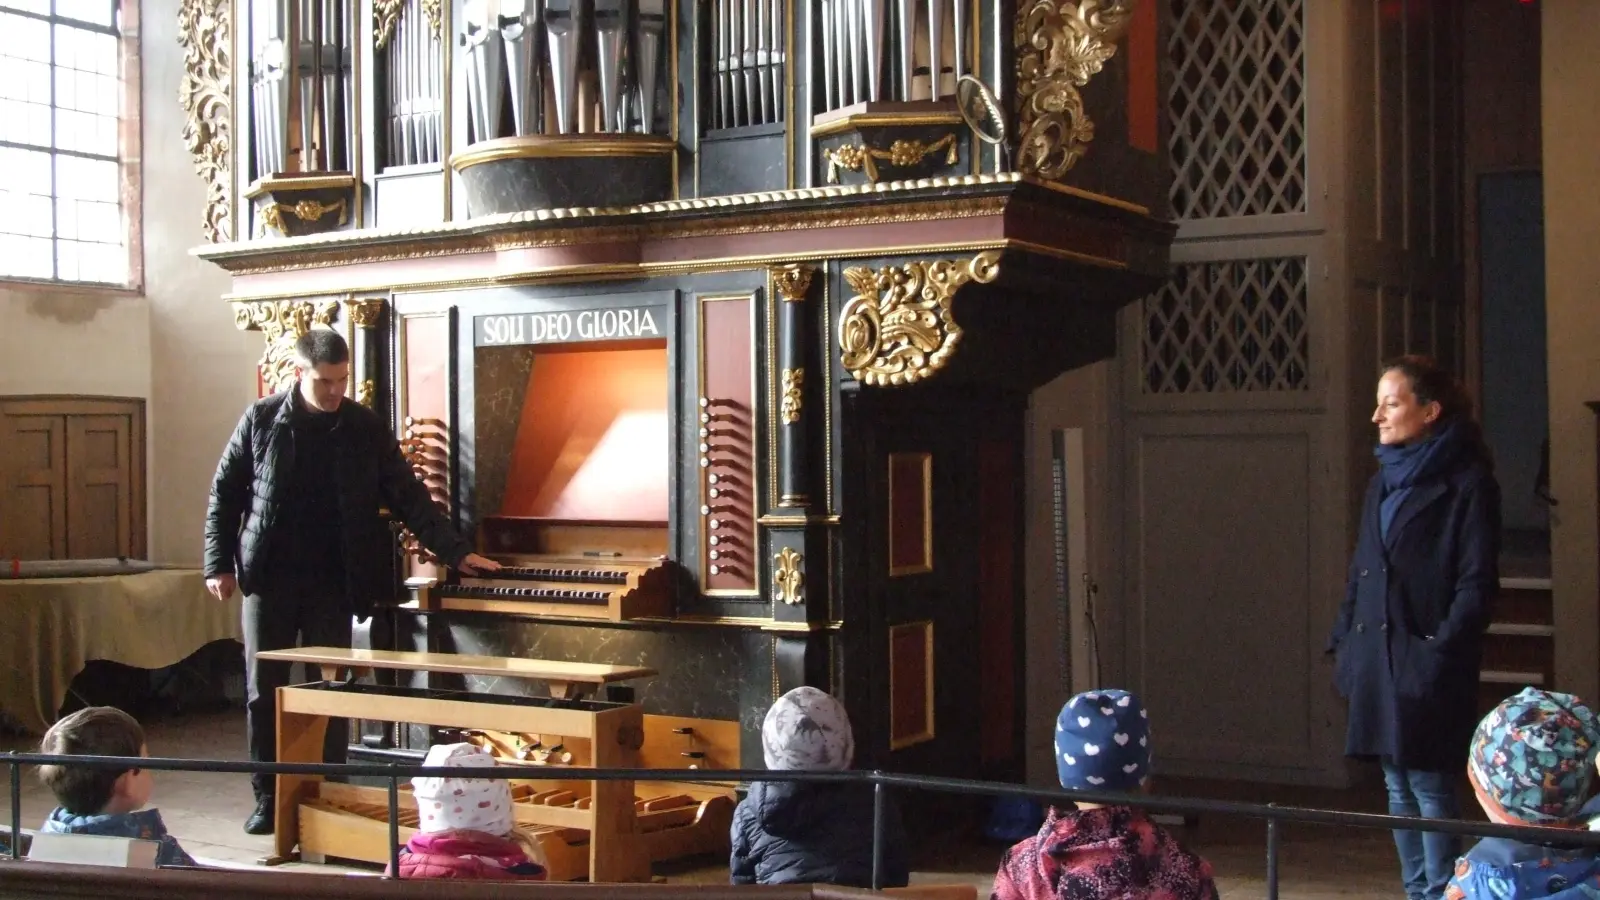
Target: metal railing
[(1273, 814)]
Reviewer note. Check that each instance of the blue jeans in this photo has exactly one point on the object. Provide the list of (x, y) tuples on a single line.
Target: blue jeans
[(1426, 860)]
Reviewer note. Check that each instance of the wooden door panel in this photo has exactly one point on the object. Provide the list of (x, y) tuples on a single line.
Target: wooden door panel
[(99, 486), (33, 489)]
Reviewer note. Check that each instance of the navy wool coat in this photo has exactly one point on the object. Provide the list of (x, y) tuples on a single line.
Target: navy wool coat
[(1409, 635)]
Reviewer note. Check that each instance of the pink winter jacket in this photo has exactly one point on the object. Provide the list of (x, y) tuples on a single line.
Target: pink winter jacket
[(467, 854)]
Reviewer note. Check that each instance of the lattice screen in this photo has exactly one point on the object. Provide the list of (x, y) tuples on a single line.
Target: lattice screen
[(1237, 106), (1238, 325)]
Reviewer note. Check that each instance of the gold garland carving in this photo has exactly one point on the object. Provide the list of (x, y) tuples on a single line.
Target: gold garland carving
[(898, 328), (1060, 46), (792, 282), (304, 210), (364, 313), (205, 94), (366, 391), (787, 577), (902, 153), (281, 323), (386, 14), (793, 381)]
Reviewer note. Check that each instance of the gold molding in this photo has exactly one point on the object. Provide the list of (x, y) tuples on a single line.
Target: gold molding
[(281, 323), (386, 14), (1061, 45), (788, 577), (898, 327), (884, 120), (924, 462), (205, 33), (792, 282), (928, 687), (305, 210), (545, 146), (267, 184), (366, 392), (782, 521), (364, 314), (793, 383), (902, 153)]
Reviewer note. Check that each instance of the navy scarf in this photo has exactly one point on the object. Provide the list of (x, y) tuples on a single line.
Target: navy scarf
[(1405, 466)]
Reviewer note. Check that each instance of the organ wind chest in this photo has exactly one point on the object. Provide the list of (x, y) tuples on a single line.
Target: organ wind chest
[(715, 322)]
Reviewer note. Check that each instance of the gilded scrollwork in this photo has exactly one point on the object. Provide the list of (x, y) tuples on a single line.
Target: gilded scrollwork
[(898, 327), (386, 13), (206, 96), (305, 210), (1060, 46), (793, 385), (788, 576), (281, 323), (366, 392), (901, 153)]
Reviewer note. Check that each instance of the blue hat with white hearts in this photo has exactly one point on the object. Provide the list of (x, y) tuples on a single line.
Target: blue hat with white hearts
[(1103, 742)]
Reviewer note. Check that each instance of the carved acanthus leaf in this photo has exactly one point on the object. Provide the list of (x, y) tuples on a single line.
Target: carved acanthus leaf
[(1060, 46), (206, 97), (898, 327)]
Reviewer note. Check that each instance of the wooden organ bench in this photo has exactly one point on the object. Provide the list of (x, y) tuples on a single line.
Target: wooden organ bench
[(594, 829)]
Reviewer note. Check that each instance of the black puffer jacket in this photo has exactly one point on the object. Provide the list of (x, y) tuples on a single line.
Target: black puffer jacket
[(247, 494), (793, 833)]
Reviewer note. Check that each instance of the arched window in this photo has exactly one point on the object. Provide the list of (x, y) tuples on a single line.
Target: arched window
[(69, 93)]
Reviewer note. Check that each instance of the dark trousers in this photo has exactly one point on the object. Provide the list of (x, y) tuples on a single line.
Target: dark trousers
[(275, 621)]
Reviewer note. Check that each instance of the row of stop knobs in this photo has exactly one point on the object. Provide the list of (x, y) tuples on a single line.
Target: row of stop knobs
[(724, 464)]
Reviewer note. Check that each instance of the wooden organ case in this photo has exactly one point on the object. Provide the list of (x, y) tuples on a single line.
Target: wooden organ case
[(714, 320)]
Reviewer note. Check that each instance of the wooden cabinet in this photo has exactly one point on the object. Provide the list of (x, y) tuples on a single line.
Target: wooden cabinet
[(71, 478)]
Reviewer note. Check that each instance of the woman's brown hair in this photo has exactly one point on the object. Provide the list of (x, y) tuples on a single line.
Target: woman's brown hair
[(1432, 383)]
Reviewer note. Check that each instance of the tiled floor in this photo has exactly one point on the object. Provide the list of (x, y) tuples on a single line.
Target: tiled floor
[(206, 812)]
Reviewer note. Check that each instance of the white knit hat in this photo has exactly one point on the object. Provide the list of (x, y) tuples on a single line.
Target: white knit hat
[(806, 729), (452, 804)]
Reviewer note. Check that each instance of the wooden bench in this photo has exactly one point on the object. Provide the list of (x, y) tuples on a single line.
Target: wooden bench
[(567, 680)]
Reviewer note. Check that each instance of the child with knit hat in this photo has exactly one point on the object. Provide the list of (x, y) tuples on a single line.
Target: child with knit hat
[(1094, 852), (1530, 763), (465, 827), (793, 832)]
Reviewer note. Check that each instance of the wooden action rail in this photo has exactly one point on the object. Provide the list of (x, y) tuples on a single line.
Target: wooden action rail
[(567, 680)]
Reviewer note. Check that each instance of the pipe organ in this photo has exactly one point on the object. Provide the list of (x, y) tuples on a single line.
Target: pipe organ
[(714, 320)]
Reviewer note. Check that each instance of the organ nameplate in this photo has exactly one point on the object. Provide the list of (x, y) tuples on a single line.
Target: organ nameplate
[(570, 326)]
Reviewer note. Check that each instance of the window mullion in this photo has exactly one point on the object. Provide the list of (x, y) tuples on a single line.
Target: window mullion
[(55, 159)]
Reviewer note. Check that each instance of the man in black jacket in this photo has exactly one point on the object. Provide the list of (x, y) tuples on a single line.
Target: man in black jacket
[(294, 522)]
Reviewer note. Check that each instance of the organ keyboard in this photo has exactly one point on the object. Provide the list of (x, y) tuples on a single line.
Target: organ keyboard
[(612, 571)]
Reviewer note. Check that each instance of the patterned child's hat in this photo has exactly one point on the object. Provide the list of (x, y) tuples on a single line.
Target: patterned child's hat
[(452, 804), (806, 729), (1103, 742), (1532, 757)]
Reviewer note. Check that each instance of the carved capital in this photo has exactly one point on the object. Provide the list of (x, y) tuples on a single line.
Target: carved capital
[(364, 313), (793, 384), (1060, 45), (206, 97), (898, 327), (792, 282), (281, 323), (788, 576)]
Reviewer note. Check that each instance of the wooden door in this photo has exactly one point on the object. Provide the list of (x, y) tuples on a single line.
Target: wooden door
[(33, 473), (71, 478)]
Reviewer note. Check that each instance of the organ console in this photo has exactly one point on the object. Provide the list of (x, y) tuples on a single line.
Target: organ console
[(715, 322)]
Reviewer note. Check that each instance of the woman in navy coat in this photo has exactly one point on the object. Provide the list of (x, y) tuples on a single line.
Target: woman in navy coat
[(1409, 634)]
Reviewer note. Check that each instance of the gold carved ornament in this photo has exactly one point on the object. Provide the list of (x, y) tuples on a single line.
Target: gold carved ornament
[(364, 313), (386, 13), (305, 210), (792, 282), (898, 327), (787, 577), (205, 94), (281, 323), (1060, 46), (366, 392), (901, 153), (793, 381)]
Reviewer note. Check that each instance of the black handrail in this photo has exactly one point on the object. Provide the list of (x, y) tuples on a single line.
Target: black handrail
[(1273, 814)]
